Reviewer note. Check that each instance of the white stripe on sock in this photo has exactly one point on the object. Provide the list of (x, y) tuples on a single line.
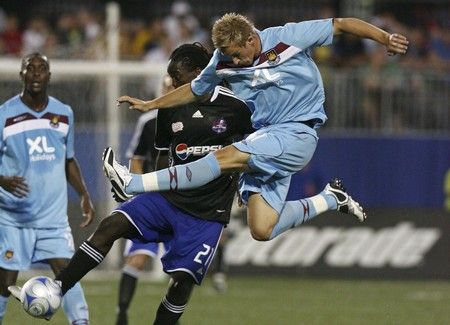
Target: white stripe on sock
[(92, 252), (150, 182), (173, 308), (319, 203)]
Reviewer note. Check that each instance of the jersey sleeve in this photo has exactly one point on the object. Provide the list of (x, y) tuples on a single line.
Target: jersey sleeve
[(162, 134), (70, 151), (308, 34), (146, 141), (142, 141), (244, 119), (207, 80)]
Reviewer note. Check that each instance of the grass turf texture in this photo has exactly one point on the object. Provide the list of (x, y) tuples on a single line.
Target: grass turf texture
[(262, 300)]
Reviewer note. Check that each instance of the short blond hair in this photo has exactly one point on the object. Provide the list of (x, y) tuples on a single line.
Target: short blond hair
[(231, 28)]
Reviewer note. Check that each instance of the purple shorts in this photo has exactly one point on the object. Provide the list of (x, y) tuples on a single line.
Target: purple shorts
[(149, 249), (190, 242)]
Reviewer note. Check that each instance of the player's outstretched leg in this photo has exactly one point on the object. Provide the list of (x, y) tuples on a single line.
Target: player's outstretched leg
[(345, 202), (333, 197), (181, 177)]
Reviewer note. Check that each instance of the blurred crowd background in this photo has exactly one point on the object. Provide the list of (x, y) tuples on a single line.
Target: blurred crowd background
[(379, 90), (151, 29)]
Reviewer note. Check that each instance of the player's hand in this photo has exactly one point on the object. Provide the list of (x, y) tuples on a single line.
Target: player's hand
[(88, 211), (134, 103), (15, 185), (397, 44)]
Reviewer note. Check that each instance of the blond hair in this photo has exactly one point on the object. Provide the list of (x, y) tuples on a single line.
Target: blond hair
[(230, 29)]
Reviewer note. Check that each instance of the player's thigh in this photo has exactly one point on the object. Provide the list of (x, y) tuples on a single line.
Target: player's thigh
[(113, 227), (261, 217), (150, 216), (279, 151), (272, 191), (53, 243), (17, 247)]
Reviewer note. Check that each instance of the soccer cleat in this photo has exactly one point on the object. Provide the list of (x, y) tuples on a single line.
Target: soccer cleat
[(15, 291), (118, 175), (344, 201)]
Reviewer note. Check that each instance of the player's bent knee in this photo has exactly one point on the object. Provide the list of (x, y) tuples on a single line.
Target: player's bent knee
[(180, 288), (115, 225), (261, 234)]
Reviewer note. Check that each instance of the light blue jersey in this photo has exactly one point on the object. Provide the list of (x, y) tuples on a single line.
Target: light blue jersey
[(35, 146), (284, 84)]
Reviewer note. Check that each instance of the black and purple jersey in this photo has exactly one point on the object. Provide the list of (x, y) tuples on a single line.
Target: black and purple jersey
[(190, 133)]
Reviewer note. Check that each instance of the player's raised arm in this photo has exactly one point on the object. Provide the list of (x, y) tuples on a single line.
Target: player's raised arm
[(395, 43), (180, 96)]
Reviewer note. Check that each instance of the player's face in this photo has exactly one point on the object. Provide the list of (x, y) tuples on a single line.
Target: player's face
[(243, 56), (36, 75), (180, 75)]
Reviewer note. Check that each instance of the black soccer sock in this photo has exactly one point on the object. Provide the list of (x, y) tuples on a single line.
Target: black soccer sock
[(168, 313), (85, 259), (219, 260), (127, 288)]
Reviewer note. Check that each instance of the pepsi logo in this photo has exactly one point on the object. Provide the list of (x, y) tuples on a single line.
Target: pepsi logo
[(181, 150)]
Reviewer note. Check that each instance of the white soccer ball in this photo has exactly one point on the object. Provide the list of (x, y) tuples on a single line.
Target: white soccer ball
[(41, 297)]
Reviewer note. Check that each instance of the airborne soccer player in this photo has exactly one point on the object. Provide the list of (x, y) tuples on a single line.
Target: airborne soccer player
[(273, 72)]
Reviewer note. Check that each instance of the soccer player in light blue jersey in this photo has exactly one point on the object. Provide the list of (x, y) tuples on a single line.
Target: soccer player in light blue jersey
[(36, 158), (273, 72)]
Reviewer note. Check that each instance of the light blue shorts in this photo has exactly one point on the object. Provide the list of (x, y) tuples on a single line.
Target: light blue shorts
[(20, 247), (277, 152)]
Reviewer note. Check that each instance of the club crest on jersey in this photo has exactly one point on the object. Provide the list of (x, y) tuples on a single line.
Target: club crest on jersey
[(181, 150), (272, 57), (177, 126), (54, 122), (219, 126), (9, 255)]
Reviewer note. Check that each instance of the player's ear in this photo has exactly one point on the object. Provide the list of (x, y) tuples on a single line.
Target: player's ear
[(251, 40)]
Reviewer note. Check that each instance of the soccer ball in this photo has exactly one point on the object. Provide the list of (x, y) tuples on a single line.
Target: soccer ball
[(41, 297)]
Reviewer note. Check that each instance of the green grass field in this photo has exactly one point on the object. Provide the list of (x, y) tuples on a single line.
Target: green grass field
[(273, 301)]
